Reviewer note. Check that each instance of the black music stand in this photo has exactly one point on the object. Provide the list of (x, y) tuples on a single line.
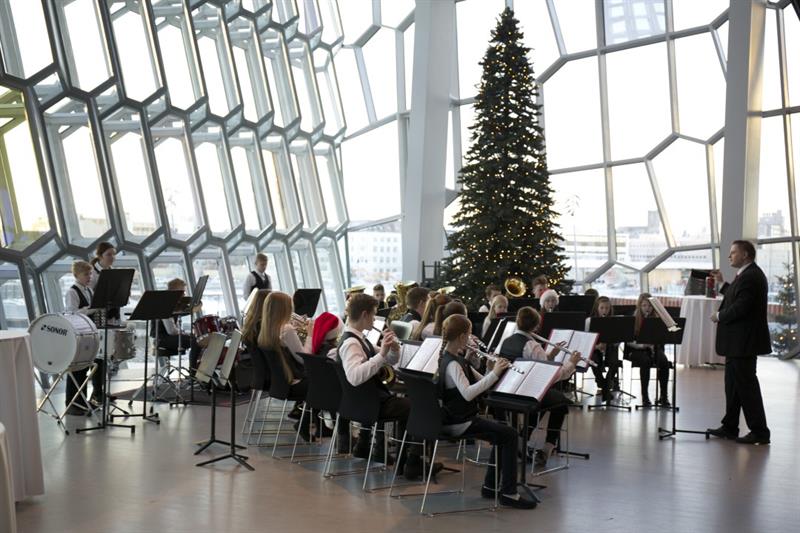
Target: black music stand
[(654, 331), (494, 325), (112, 291), (154, 305), (306, 301), (574, 320), (515, 304), (613, 330), (576, 303)]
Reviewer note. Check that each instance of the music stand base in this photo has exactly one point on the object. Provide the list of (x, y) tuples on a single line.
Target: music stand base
[(241, 459), (105, 426), (664, 433), (205, 444), (658, 407)]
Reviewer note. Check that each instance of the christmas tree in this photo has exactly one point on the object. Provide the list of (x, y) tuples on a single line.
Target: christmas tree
[(505, 225), (784, 338)]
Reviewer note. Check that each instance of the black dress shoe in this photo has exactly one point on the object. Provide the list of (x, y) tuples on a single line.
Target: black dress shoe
[(377, 455), (517, 501), (607, 396), (723, 433), (77, 410), (343, 445), (413, 470), (752, 438), (487, 492), (664, 402), (647, 403), (304, 434)]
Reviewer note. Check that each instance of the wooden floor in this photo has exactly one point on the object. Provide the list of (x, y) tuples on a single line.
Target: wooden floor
[(119, 483)]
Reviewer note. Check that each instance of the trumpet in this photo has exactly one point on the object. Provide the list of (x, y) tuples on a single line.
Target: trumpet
[(386, 373), (561, 348)]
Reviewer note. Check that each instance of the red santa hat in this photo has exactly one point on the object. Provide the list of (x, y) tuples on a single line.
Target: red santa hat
[(326, 326)]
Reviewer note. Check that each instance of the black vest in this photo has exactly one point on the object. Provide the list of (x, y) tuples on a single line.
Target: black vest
[(261, 283), (411, 315), (455, 409), (81, 298), (370, 351), (513, 346)]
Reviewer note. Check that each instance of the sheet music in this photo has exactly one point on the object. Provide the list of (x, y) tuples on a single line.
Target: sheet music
[(583, 342), (210, 358), (513, 377), (561, 335), (372, 336), (407, 352), (662, 313), (510, 329), (426, 356), (538, 380)]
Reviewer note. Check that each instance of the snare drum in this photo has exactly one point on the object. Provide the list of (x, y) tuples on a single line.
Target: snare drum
[(229, 324), (63, 342), (121, 344), (207, 324)]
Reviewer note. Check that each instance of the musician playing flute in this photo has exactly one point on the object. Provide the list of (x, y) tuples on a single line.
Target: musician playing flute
[(522, 345)]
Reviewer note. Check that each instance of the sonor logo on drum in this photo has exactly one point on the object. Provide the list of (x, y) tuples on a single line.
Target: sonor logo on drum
[(58, 331)]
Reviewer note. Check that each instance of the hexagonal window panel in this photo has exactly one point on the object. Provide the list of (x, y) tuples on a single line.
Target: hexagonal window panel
[(216, 179), (305, 175), (279, 74), (84, 43), (281, 183), (13, 311), (306, 85), (619, 282), (140, 75), (218, 295), (23, 217), (279, 268), (21, 43), (250, 70), (250, 182), (670, 277), (168, 265), (179, 55), (212, 42)]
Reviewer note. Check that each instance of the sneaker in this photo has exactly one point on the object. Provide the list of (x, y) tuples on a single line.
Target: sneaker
[(540, 458), (517, 501)]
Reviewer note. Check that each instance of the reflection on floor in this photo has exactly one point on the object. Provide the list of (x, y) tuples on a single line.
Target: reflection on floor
[(115, 482)]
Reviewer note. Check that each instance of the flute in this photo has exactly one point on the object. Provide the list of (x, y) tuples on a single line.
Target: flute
[(554, 345)]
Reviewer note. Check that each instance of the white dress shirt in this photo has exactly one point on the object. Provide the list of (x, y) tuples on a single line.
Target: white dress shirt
[(250, 283), (454, 378), (72, 302), (357, 366)]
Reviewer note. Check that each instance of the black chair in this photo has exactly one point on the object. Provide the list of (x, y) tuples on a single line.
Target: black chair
[(324, 394), (279, 389), (362, 405), (259, 388), (425, 422)]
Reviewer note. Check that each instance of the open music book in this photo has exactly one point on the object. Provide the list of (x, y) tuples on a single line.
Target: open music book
[(426, 358), (581, 341), (663, 314), (531, 379), (407, 351)]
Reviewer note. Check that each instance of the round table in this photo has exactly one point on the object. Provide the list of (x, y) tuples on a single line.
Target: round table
[(18, 414), (700, 333), (8, 512)]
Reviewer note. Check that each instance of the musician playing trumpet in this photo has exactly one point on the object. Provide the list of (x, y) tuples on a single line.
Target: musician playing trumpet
[(523, 345), (460, 385)]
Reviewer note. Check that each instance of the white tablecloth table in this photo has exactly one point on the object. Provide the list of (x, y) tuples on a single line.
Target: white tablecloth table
[(700, 333), (8, 516), (18, 414)]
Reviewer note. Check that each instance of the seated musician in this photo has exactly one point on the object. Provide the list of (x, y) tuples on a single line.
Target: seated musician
[(548, 301), (645, 356), (539, 285), (416, 298), (362, 363), (379, 293), (591, 292), (250, 329), (498, 308), (425, 327), (77, 300), (170, 335), (522, 345), (604, 355), (325, 337), (459, 386), (258, 277), (453, 308), (490, 292), (277, 334)]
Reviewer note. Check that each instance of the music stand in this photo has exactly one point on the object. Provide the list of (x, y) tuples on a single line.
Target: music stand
[(384, 312), (493, 325), (576, 302), (477, 318), (574, 320), (112, 291), (613, 330), (515, 304), (306, 301), (154, 305), (654, 331)]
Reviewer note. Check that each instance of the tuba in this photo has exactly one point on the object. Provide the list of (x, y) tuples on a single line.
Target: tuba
[(400, 309), (515, 287)]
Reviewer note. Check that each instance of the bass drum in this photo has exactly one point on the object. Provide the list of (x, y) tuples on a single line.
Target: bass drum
[(63, 342)]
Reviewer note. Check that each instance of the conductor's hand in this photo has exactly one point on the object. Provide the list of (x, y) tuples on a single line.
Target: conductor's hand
[(389, 343), (715, 317), (500, 366), (575, 358), (717, 276)]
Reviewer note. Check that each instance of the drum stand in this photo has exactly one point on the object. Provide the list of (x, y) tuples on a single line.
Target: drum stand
[(107, 418), (59, 417)]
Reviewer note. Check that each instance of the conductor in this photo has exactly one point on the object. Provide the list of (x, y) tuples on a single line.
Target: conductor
[(742, 335)]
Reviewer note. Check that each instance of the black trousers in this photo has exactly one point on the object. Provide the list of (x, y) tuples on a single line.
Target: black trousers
[(743, 393), (557, 405), (645, 359), (170, 343), (610, 359), (505, 439), (393, 407), (98, 379)]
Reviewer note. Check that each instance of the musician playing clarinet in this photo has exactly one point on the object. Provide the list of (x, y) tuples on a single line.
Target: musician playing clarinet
[(522, 345), (460, 385)]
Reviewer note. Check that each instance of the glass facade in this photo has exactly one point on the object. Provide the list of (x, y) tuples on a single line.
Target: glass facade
[(189, 134)]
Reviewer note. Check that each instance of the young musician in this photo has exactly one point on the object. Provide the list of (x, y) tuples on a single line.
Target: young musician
[(250, 330), (425, 327), (416, 298), (258, 278), (362, 362), (327, 329), (499, 307), (490, 292), (604, 355), (379, 293), (548, 301), (460, 385), (591, 292), (273, 335), (647, 355), (77, 300), (522, 345), (453, 308), (170, 335), (539, 285), (104, 256)]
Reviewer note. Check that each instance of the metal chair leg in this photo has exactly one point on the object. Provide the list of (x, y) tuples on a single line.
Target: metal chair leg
[(280, 425), (430, 474)]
